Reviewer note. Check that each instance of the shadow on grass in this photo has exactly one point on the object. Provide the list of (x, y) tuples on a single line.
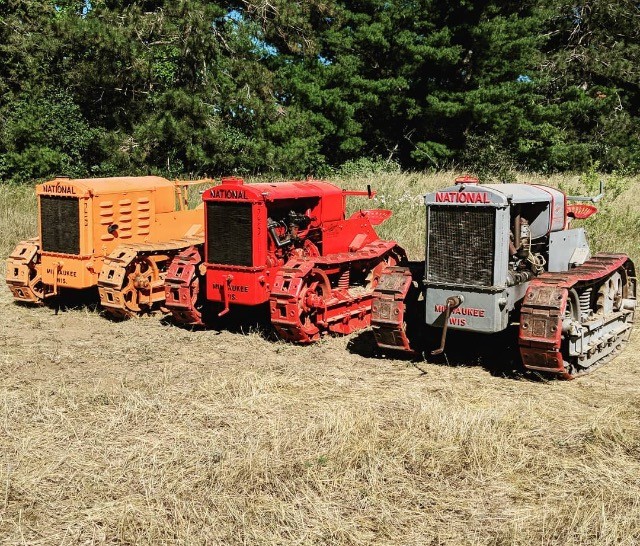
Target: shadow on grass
[(496, 353), (69, 300), (239, 320)]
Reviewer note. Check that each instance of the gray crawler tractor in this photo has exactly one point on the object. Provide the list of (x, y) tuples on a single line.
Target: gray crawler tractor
[(499, 254)]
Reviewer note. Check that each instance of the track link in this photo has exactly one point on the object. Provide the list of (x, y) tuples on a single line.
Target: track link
[(182, 287), (389, 309), (395, 309), (23, 273), (314, 295), (556, 336), (132, 277)]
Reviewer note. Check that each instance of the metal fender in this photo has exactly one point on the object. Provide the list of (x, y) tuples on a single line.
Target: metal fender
[(375, 216)]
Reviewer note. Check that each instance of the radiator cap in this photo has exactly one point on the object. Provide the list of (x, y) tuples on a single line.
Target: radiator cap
[(466, 179), (233, 180)]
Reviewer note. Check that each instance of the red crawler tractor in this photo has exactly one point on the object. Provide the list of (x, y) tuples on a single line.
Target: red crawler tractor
[(503, 254), (288, 245)]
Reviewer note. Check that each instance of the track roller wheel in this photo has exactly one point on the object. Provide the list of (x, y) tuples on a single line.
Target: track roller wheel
[(314, 292), (141, 275), (610, 295), (573, 325), (604, 343)]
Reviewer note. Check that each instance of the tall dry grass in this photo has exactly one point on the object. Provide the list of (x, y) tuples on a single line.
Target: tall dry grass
[(402, 193), (615, 228), (17, 217), (145, 433)]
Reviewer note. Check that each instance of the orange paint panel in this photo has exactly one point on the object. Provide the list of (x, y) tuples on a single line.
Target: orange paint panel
[(74, 240)]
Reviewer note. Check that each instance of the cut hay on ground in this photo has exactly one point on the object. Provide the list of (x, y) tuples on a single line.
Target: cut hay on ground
[(145, 433)]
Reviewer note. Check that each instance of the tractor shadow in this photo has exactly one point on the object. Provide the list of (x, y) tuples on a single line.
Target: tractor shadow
[(496, 353), (70, 300), (236, 321)]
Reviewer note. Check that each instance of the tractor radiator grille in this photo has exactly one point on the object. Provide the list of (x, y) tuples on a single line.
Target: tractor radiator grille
[(229, 234), (460, 245), (60, 224)]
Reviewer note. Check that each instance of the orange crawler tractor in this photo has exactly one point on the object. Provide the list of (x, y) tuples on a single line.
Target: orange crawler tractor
[(118, 234)]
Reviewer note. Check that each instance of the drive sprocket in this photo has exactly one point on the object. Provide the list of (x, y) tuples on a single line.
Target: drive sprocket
[(131, 283)]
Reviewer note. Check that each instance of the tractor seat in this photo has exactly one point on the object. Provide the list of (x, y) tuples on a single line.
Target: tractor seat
[(580, 211)]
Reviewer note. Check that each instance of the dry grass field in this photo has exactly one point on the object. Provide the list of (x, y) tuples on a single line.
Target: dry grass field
[(142, 432)]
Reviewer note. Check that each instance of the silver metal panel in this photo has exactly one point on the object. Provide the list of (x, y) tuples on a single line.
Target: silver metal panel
[(519, 193), (501, 259), (479, 312), (540, 224), (546, 210), (515, 294), (502, 193), (558, 204), (563, 246), (485, 312)]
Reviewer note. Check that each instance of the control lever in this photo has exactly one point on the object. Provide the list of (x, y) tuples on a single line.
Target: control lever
[(225, 295), (451, 303)]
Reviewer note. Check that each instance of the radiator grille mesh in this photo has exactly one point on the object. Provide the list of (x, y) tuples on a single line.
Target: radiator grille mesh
[(60, 224), (461, 242), (229, 236)]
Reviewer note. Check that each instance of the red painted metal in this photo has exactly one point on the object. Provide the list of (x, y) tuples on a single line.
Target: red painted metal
[(581, 211), (390, 309), (183, 287), (466, 179), (543, 309), (304, 303), (557, 207)]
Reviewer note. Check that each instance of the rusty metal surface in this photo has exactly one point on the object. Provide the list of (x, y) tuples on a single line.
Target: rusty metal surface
[(183, 297), (543, 346), (132, 278), (23, 273), (389, 309)]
